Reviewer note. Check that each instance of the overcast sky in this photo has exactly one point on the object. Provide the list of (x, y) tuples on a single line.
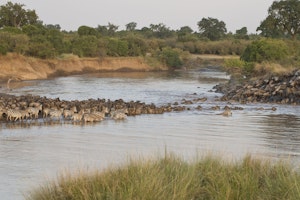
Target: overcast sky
[(70, 14)]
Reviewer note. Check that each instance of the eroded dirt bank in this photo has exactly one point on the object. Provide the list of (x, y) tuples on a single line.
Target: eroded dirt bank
[(28, 68)]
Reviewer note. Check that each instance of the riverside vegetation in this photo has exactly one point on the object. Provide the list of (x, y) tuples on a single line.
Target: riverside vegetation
[(171, 177), (158, 44)]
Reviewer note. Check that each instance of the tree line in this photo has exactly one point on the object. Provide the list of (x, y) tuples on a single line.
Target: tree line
[(22, 31)]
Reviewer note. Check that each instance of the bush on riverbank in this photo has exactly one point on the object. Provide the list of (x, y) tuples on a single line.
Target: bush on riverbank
[(265, 50), (173, 178), (266, 56)]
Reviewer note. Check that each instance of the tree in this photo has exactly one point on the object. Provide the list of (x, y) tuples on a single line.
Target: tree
[(185, 30), (102, 30), (53, 26), (160, 30), (111, 28), (283, 19), (146, 32), (131, 26), (33, 30), (16, 16), (212, 28), (268, 28), (185, 34), (86, 30), (242, 33)]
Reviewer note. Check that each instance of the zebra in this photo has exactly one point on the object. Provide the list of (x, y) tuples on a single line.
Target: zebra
[(77, 117), (24, 114), (34, 112), (46, 112), (23, 104), (35, 104), (13, 115), (56, 113), (74, 109), (227, 112), (91, 117), (119, 114), (68, 113), (2, 111), (101, 114)]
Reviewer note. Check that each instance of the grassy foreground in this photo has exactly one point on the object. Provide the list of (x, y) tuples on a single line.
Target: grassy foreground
[(172, 178)]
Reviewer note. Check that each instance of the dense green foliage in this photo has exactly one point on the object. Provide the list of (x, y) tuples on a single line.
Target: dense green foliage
[(48, 41), (170, 57), (14, 15), (22, 32), (265, 50), (172, 178), (212, 28), (242, 33), (283, 20)]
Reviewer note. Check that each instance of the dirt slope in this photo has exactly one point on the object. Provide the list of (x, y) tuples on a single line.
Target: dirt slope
[(28, 68)]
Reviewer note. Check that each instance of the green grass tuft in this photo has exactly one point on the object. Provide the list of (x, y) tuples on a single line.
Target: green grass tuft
[(171, 177)]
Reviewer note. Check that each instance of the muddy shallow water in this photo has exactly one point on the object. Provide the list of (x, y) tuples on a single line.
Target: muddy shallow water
[(34, 151)]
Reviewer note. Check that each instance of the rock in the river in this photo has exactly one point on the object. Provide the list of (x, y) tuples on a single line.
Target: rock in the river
[(284, 89)]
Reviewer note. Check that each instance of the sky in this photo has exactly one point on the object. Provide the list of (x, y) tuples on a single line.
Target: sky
[(71, 14)]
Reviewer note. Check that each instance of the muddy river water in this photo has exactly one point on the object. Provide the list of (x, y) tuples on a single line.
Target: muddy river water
[(33, 152)]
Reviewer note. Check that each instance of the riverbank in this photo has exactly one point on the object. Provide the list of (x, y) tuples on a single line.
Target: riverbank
[(171, 177), (18, 67)]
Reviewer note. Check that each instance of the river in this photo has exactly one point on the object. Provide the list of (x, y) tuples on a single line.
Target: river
[(36, 151)]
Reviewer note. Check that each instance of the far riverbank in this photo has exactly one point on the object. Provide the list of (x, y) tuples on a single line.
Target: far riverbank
[(18, 67)]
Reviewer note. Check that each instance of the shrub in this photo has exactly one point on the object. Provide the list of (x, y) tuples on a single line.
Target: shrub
[(234, 63), (40, 47), (249, 68), (222, 47), (187, 46), (116, 47), (85, 46), (3, 49), (136, 46), (170, 57), (86, 30), (11, 42), (265, 50), (239, 66)]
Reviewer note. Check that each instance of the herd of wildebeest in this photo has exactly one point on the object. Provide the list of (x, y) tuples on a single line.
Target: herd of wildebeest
[(29, 107)]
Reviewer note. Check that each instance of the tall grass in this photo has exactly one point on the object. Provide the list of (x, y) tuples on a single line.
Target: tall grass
[(171, 177)]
